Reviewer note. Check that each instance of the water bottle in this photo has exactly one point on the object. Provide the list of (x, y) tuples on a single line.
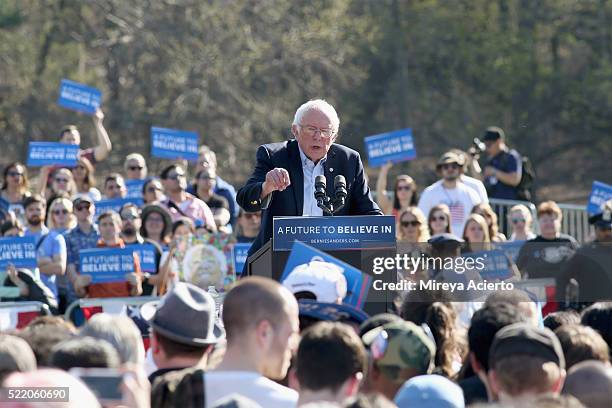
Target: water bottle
[(212, 291)]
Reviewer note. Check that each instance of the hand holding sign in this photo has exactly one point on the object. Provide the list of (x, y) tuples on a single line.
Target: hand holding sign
[(79, 97), (393, 146)]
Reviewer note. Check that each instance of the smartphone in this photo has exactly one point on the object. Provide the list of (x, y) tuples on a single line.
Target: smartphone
[(104, 382)]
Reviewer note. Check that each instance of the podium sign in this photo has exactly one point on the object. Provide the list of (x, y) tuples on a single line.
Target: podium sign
[(334, 233)]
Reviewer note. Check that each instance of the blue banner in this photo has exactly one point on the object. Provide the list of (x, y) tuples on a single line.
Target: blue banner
[(115, 204), (52, 153), (600, 193), (510, 248), (107, 264), (357, 282), (343, 232), (174, 144), (79, 97), (496, 266), (19, 251), (239, 256), (134, 188), (392, 147), (146, 256)]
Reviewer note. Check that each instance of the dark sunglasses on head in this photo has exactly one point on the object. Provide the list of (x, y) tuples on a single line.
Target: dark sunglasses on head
[(414, 223), (62, 211)]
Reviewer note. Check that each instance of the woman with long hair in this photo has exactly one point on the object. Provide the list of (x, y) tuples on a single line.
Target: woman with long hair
[(61, 217), (153, 191), (476, 234), (412, 226), (404, 193), (15, 188), (439, 220), (156, 224), (521, 220), (84, 178), (489, 215)]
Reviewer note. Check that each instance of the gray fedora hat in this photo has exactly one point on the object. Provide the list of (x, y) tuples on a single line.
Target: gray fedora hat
[(186, 315)]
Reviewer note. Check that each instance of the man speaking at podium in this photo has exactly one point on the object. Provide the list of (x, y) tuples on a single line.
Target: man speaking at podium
[(283, 182)]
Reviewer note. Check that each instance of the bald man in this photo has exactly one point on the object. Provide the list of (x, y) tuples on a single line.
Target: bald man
[(590, 382), (261, 324)]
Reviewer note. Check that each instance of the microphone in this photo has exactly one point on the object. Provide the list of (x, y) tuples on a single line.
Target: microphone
[(340, 192), (320, 186)]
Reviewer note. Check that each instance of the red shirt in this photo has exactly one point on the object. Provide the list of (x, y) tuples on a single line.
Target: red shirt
[(113, 289)]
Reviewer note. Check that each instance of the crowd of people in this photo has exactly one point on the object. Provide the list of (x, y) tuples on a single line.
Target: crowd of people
[(295, 343)]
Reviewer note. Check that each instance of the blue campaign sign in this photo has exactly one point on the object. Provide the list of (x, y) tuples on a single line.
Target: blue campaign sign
[(357, 282), (239, 255), (495, 262), (392, 147), (343, 232), (174, 144), (79, 97), (510, 248), (52, 153), (107, 264), (115, 204), (146, 256), (600, 193), (134, 188), (19, 251)]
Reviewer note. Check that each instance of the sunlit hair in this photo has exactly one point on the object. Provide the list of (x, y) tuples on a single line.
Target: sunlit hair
[(320, 105), (488, 211), (418, 214), (480, 220), (134, 156), (71, 188), (551, 208), (25, 183), (410, 181), (445, 210), (89, 181), (61, 202)]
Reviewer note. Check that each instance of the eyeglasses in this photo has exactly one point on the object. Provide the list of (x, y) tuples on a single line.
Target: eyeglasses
[(414, 223), (61, 180), (311, 130), (134, 168), (447, 166), (379, 345), (62, 211), (440, 218), (153, 189), (517, 220), (129, 217), (175, 176), (14, 174), (82, 207), (406, 188)]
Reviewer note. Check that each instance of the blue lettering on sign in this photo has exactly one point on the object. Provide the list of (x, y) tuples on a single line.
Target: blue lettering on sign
[(600, 193), (146, 255), (174, 144), (52, 153), (115, 204), (79, 97), (134, 188), (19, 251), (107, 264), (392, 147), (344, 232), (240, 251)]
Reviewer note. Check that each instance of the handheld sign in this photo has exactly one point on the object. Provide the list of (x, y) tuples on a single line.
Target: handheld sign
[(357, 282), (392, 147), (174, 144), (510, 248), (107, 264), (239, 256), (495, 262), (115, 204), (146, 256), (19, 251), (134, 188), (52, 153), (79, 97), (600, 193)]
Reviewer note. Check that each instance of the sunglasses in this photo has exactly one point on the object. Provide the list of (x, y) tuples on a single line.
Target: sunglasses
[(517, 220), (440, 218), (82, 207), (58, 212), (414, 223), (153, 189), (405, 188), (129, 217), (134, 168), (61, 180), (175, 176), (452, 166), (14, 174)]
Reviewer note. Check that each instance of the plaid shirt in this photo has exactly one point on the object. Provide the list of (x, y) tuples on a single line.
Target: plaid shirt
[(76, 240)]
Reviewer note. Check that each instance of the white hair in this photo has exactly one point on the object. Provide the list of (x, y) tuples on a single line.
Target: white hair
[(320, 105)]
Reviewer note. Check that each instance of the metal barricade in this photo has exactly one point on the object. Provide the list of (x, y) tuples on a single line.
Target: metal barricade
[(15, 315), (502, 209), (575, 222), (110, 305)]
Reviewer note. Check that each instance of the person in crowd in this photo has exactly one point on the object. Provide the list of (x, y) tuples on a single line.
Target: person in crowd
[(450, 190), (330, 364), (555, 320), (185, 342), (207, 159), (283, 179), (114, 187), (85, 180), (16, 356), (181, 203), (581, 343), (204, 188), (476, 234), (261, 323), (503, 170), (524, 362), (439, 220), (12, 227), (109, 225), (373, 400), (430, 391), (156, 225), (599, 317), (591, 383), (544, 256), (51, 246), (489, 215), (469, 181), (15, 189), (169, 265), (248, 226), (404, 192), (85, 352), (398, 351), (135, 167), (121, 332), (486, 322), (61, 220), (412, 226), (153, 191), (70, 134), (520, 218), (317, 280), (62, 184), (519, 299), (42, 334)]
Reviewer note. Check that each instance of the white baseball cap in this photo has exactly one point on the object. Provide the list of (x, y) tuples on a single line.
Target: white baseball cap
[(323, 279)]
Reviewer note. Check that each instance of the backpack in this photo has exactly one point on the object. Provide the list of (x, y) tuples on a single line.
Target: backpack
[(528, 176)]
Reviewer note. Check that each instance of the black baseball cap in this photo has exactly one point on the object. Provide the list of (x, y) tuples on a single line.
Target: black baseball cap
[(493, 133), (523, 338)]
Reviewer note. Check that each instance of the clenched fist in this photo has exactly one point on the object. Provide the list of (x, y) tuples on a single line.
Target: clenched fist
[(276, 179)]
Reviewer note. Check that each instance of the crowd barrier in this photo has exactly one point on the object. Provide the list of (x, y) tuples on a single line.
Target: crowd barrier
[(16, 315), (108, 305), (502, 209), (576, 222)]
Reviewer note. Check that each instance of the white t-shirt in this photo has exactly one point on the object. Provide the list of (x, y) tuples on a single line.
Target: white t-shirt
[(267, 393), (476, 185), (460, 201)]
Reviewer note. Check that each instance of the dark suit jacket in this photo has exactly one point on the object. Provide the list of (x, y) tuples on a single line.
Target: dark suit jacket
[(340, 160)]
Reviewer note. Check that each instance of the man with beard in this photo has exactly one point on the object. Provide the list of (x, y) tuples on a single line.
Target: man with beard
[(450, 190), (51, 251)]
